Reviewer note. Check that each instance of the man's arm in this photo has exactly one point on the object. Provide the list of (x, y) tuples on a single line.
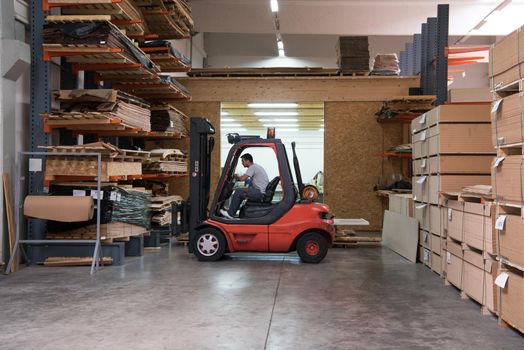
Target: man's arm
[(241, 178)]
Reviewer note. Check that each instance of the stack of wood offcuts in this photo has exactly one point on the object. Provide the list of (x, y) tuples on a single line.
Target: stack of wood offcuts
[(507, 77), (451, 150), (353, 55)]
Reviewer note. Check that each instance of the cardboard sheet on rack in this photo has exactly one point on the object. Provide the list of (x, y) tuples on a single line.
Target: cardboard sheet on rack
[(59, 208)]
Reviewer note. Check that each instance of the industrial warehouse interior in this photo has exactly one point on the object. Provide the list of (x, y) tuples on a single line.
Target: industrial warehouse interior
[(261, 174)]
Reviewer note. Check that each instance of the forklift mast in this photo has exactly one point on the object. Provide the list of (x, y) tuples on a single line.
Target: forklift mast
[(200, 149)]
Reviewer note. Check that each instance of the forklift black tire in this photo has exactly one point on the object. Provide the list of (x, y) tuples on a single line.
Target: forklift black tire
[(312, 247), (209, 245)]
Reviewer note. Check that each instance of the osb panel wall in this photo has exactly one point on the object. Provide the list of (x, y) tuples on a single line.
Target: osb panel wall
[(210, 110), (352, 142)]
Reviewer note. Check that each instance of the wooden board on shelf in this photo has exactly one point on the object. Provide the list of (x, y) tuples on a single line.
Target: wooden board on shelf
[(75, 261)]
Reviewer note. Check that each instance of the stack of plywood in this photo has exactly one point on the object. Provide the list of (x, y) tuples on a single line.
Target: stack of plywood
[(353, 54), (451, 150), (506, 73)]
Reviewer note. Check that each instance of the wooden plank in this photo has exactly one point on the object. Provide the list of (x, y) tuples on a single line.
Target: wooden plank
[(78, 18), (75, 261), (8, 197)]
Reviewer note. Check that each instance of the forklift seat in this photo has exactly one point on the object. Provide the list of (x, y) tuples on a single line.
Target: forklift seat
[(268, 196)]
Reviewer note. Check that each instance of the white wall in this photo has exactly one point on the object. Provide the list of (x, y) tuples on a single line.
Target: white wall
[(199, 53)]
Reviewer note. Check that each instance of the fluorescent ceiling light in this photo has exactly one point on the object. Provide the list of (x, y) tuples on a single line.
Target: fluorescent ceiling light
[(281, 125), (274, 5), (281, 53), (321, 130), (286, 130), (272, 105), (231, 125), (224, 113), (276, 113), (278, 120), (228, 120), (280, 45)]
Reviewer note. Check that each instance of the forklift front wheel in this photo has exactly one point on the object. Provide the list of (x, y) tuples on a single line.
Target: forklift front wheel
[(312, 247), (210, 245)]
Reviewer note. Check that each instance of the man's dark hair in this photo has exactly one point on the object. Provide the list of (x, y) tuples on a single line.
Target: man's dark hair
[(247, 156)]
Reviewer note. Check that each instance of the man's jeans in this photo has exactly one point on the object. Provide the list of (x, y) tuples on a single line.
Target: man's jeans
[(241, 194)]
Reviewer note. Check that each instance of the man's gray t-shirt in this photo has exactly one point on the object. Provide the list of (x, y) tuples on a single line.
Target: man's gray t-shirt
[(259, 177)]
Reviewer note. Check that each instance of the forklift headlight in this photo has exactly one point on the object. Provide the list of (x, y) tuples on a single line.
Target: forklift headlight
[(324, 215)]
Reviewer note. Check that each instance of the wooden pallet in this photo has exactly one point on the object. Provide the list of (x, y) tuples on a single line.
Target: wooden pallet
[(354, 74)]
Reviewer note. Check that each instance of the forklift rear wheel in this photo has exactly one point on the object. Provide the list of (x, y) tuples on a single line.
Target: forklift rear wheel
[(312, 247), (210, 245)]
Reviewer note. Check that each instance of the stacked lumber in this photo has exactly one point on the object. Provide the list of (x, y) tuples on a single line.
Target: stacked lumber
[(172, 161), (162, 89), (353, 54), (506, 67), (506, 63), (451, 150), (125, 14), (75, 261), (386, 65), (108, 232), (164, 54), (99, 109), (168, 118), (169, 19), (115, 162), (161, 209), (405, 106)]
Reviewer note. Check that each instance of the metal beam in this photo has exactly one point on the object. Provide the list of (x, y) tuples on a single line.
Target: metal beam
[(442, 60)]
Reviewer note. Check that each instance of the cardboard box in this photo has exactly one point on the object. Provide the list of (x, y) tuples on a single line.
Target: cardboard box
[(453, 183), (470, 95), (507, 53), (436, 263), (459, 139), (401, 204), (506, 78), (420, 144), (424, 256), (59, 208), (422, 215), (435, 220), (511, 239), (421, 188), (512, 307), (424, 239), (459, 114), (419, 123), (478, 232), (507, 179), (507, 126), (454, 219), (460, 164), (478, 279), (454, 263), (437, 244), (421, 166)]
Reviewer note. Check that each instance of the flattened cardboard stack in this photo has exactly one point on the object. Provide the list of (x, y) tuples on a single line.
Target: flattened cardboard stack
[(166, 161), (451, 150), (100, 109), (353, 54), (507, 73), (386, 65), (168, 118)]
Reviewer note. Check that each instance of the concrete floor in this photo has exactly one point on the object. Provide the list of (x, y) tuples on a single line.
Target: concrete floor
[(358, 298)]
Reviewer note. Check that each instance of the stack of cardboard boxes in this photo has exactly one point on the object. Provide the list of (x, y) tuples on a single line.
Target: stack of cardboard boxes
[(507, 78), (451, 150)]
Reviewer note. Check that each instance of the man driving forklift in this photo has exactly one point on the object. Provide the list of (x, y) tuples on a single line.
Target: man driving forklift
[(257, 179)]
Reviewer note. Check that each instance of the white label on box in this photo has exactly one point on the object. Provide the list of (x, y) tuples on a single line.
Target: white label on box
[(426, 255), (502, 279), (420, 206), (421, 180), (498, 161), (79, 193), (496, 105), (35, 164), (499, 224), (448, 257), (94, 194), (422, 119), (425, 237), (112, 196), (450, 214), (423, 163), (423, 135), (118, 197), (171, 124)]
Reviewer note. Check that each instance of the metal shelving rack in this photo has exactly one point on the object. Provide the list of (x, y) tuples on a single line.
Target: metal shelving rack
[(41, 103), (426, 55)]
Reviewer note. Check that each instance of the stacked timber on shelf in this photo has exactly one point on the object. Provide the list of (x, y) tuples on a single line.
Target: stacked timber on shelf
[(167, 118), (161, 209), (405, 108), (506, 75), (172, 161), (164, 54), (353, 55), (471, 250), (99, 109), (116, 162), (169, 19), (451, 150)]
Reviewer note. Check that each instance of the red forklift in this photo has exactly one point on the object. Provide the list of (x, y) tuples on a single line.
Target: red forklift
[(271, 226)]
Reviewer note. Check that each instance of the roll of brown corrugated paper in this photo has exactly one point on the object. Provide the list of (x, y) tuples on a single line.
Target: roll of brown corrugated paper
[(59, 208)]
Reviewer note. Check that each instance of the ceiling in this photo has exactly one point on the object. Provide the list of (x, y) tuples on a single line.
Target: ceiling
[(351, 17), (237, 117)]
